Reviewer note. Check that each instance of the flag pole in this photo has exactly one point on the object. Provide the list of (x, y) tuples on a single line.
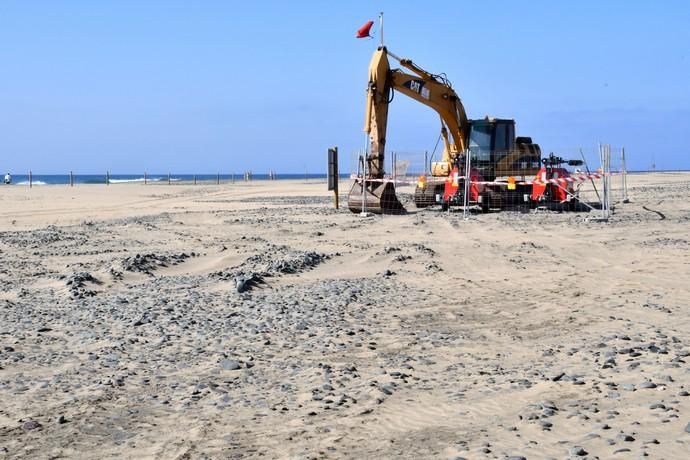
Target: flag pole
[(381, 26)]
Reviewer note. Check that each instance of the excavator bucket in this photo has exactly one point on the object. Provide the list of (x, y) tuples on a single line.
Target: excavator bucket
[(376, 197)]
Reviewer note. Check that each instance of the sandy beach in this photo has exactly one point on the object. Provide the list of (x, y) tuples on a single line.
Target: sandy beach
[(254, 320)]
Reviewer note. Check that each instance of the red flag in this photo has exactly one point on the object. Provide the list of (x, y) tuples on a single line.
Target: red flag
[(363, 32)]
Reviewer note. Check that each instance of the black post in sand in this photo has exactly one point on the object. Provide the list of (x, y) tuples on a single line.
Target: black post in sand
[(31, 180)]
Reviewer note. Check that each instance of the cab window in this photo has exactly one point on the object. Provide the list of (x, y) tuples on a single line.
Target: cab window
[(501, 145), (480, 142)]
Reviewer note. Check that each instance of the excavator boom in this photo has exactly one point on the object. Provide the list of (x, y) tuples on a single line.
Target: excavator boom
[(424, 87)]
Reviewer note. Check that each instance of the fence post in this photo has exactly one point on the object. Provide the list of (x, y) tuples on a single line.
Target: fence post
[(144, 177), (31, 179), (392, 167), (607, 191), (624, 176), (217, 178), (604, 156), (608, 180), (394, 171), (468, 176), (364, 185), (603, 181), (71, 179), (168, 178), (194, 179), (107, 178)]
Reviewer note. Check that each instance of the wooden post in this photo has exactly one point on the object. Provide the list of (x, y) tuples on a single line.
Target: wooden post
[(168, 178), (217, 178), (107, 178), (71, 179), (31, 180), (333, 177), (144, 177), (194, 179), (335, 195)]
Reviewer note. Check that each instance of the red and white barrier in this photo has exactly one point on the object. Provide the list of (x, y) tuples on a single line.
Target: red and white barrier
[(559, 181)]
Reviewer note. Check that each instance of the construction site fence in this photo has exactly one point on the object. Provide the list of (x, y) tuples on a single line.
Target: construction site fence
[(596, 186)]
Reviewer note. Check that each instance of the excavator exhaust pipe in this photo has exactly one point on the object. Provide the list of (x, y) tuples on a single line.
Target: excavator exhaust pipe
[(375, 197)]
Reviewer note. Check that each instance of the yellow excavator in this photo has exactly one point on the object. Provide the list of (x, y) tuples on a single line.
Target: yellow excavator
[(494, 149)]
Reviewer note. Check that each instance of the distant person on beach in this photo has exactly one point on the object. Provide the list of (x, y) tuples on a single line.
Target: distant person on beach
[(8, 178)]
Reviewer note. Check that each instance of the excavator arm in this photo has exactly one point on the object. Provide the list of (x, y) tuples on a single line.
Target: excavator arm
[(372, 192), (423, 87)]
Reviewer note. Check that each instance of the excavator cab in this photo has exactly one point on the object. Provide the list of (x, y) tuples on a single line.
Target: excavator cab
[(496, 152)]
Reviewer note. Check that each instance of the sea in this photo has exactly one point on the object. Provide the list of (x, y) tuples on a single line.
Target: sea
[(64, 179)]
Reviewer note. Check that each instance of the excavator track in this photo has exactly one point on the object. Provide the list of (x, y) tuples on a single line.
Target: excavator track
[(426, 196)]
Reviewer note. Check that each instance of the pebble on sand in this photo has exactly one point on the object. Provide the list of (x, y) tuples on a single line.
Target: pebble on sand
[(31, 425), (578, 451), (230, 364)]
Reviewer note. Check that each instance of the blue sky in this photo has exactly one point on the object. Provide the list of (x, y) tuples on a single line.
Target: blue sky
[(228, 86)]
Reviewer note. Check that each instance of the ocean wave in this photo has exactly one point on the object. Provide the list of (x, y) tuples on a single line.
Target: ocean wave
[(138, 179), (26, 182)]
